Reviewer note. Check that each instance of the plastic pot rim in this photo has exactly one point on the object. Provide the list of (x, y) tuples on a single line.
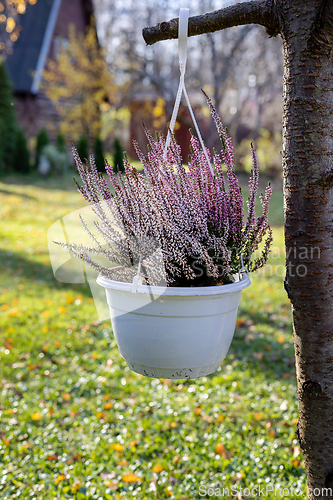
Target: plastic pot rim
[(177, 291)]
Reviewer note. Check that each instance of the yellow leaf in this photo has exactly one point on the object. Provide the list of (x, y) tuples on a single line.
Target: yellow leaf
[(70, 300), (117, 447), (157, 468), (122, 462), (133, 443), (61, 310), (36, 416), (107, 406), (106, 397), (295, 463), (6, 441), (61, 477), (45, 329), (105, 325), (57, 343), (76, 487), (66, 396), (280, 339), (257, 416), (197, 410), (131, 478), (219, 448)]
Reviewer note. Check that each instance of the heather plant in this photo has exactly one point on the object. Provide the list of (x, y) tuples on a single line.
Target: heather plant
[(190, 219)]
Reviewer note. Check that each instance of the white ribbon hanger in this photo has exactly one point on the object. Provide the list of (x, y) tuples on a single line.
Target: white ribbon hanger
[(182, 51)]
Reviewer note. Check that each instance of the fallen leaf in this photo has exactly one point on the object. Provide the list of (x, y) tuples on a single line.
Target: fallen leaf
[(297, 451), (133, 443), (36, 416), (280, 339), (107, 406), (130, 478), (257, 416), (62, 310), (158, 468), (220, 450), (61, 477), (66, 396), (117, 447), (197, 410)]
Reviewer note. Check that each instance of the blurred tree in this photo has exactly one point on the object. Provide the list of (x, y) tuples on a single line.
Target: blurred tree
[(8, 125), (42, 140), (61, 143), (83, 148), (21, 157), (239, 68), (99, 155), (79, 75), (118, 156)]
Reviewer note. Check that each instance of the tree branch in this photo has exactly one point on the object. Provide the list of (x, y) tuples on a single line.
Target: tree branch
[(256, 12)]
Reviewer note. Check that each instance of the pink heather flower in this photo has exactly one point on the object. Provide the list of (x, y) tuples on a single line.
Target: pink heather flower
[(189, 217)]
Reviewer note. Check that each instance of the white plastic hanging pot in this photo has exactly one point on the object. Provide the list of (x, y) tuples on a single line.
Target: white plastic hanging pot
[(173, 332)]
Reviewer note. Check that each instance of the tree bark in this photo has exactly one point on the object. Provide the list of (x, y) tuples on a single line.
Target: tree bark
[(307, 162), (306, 27)]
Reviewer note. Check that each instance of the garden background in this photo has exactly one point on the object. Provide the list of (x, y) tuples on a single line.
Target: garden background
[(74, 421)]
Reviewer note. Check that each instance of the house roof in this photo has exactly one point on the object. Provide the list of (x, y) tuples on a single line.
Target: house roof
[(27, 61), (22, 63)]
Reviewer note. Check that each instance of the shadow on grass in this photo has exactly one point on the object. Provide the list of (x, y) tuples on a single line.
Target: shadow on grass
[(22, 195), (53, 181), (14, 265)]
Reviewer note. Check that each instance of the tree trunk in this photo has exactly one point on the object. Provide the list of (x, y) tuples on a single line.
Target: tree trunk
[(307, 161), (306, 27)]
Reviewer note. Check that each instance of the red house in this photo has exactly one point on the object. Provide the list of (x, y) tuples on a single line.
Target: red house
[(44, 28)]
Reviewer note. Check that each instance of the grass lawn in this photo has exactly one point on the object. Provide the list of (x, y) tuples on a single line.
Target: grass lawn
[(76, 423)]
